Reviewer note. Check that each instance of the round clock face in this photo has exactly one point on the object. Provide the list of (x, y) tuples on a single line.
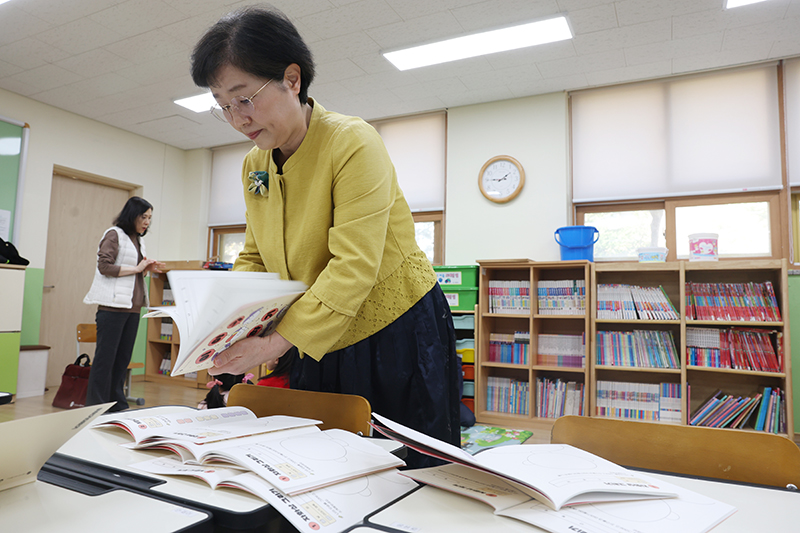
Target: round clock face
[(501, 179)]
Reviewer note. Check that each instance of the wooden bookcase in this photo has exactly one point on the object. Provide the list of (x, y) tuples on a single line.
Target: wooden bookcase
[(533, 322), (157, 348), (672, 276)]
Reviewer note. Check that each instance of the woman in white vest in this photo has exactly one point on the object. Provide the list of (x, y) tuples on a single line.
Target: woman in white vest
[(119, 292)]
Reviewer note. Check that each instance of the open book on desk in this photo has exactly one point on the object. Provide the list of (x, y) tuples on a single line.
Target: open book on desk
[(689, 512), (215, 309), (201, 427), (554, 474), (331, 509)]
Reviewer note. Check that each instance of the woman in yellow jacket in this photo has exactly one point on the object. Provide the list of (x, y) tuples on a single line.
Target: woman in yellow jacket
[(324, 207)]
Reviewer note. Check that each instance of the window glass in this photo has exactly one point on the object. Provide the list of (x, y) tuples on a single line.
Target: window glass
[(743, 228), (230, 244), (425, 232), (622, 232)]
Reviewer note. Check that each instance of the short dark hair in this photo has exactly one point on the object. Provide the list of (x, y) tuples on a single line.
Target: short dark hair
[(261, 41), (133, 209)]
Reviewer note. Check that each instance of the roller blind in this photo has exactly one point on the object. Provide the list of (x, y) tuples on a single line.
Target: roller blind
[(791, 78), (226, 205), (710, 133)]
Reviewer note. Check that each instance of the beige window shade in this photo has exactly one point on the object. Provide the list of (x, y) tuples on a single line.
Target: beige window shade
[(226, 205), (710, 133), (417, 147), (791, 77)]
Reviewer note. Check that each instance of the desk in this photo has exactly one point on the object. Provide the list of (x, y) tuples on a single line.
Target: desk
[(96, 454), (429, 510), (40, 507)]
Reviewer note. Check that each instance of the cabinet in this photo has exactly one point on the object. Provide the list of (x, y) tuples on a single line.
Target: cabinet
[(160, 348), (12, 289), (510, 314), (696, 381)]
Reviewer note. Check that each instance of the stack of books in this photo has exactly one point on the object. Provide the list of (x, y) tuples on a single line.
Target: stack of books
[(561, 297), (315, 478), (637, 348), (506, 395), (736, 348), (555, 398), (510, 347), (509, 297), (767, 410), (748, 302), (562, 350), (639, 401), (632, 302)]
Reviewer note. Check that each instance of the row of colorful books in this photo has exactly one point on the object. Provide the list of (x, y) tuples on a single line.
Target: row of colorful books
[(749, 302), (562, 297), (510, 297), (736, 348), (766, 410), (555, 398), (639, 401), (637, 348), (506, 395), (510, 347), (617, 301), (561, 350)]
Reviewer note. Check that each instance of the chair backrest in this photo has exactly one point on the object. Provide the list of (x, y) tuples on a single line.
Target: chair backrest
[(744, 456), (343, 411), (85, 333)]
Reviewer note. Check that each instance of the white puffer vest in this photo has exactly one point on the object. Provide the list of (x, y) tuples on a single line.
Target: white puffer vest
[(117, 292)]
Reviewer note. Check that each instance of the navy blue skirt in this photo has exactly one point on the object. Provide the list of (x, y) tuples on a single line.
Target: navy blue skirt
[(409, 371)]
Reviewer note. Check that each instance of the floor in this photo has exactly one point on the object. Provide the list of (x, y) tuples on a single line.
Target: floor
[(153, 393)]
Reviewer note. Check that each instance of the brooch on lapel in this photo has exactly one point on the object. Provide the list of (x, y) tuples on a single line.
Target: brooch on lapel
[(259, 182)]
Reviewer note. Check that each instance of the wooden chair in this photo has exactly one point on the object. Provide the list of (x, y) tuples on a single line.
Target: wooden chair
[(744, 456), (88, 333), (343, 411)]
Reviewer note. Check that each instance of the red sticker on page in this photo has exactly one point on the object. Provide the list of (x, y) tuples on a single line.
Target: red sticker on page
[(255, 331), (283, 478), (204, 356), (269, 315), (235, 322), (313, 525), (216, 339)]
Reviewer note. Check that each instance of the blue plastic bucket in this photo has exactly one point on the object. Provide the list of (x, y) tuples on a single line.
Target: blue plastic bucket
[(577, 242)]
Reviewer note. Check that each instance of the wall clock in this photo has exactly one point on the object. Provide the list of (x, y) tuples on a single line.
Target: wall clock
[(501, 179)]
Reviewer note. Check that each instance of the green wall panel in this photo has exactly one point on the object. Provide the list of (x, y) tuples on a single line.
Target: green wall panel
[(9, 361), (32, 306)]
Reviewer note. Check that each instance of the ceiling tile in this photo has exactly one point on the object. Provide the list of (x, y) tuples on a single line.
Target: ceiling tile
[(597, 18), (482, 16), (16, 24), (645, 71), (60, 12), (358, 16), (337, 70), (338, 48), (617, 38), (134, 17), (79, 36), (652, 53), (585, 63), (631, 12), (30, 53), (436, 27), (93, 63), (47, 77)]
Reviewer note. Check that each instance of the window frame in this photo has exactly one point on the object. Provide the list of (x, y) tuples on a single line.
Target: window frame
[(437, 217), (214, 233)]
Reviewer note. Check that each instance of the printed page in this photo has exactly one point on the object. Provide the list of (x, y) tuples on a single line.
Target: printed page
[(689, 512), (558, 472), (301, 463), (202, 426), (169, 466)]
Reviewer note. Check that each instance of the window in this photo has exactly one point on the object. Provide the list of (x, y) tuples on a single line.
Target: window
[(430, 237), (748, 225), (226, 242)]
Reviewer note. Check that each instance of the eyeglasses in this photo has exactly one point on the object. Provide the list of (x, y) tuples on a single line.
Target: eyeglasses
[(242, 105)]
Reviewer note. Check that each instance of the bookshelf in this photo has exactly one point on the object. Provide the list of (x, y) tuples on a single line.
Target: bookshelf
[(503, 318), (157, 347), (696, 380)]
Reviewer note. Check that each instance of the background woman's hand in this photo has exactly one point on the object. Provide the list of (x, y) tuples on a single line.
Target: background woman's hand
[(251, 352), (150, 265)]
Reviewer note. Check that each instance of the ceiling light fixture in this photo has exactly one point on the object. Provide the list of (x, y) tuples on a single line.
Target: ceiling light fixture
[(490, 42), (730, 4), (202, 103)]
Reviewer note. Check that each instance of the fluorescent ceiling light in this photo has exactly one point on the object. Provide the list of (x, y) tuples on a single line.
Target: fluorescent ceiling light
[(202, 103), (739, 3), (490, 42)]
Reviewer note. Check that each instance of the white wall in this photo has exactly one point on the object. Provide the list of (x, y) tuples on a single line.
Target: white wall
[(534, 131), (176, 182)]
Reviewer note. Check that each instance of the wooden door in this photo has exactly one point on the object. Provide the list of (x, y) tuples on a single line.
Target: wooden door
[(80, 211)]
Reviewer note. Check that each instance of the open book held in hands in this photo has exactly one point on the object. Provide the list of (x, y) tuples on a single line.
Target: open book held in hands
[(215, 309), (553, 474)]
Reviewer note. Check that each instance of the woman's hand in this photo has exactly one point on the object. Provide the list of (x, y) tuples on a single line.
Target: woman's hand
[(149, 265), (251, 352)]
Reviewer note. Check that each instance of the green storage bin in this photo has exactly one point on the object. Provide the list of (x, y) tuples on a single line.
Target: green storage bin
[(461, 299), (457, 276)]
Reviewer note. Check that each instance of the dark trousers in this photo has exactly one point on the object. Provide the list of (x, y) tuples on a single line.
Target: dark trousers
[(116, 334), (409, 371)]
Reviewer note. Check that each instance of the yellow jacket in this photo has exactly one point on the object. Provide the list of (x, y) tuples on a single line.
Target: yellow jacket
[(337, 220)]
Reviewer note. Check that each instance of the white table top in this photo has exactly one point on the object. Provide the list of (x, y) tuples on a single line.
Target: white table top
[(39, 507), (432, 510)]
